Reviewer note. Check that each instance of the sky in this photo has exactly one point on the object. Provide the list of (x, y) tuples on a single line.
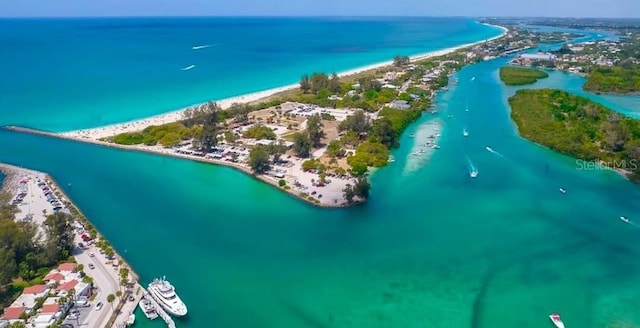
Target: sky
[(94, 8)]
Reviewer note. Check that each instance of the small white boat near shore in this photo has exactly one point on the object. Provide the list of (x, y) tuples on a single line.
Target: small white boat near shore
[(148, 309), (555, 318)]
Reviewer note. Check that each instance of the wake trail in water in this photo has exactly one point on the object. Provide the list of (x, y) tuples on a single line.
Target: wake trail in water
[(489, 149), (473, 171), (203, 46), (188, 68)]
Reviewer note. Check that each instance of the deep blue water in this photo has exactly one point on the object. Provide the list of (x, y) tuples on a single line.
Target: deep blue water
[(75, 73), (432, 247)]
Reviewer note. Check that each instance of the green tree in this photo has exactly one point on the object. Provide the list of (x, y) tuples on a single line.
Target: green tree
[(334, 83), (59, 231), (259, 160), (314, 130), (110, 299), (382, 130), (334, 149), (305, 84), (357, 122), (301, 144), (207, 139), (400, 61)]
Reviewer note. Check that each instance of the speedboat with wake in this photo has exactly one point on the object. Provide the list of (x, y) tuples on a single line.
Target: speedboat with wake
[(489, 149), (625, 219), (465, 133), (555, 318), (473, 171), (562, 190), (188, 67), (165, 294)]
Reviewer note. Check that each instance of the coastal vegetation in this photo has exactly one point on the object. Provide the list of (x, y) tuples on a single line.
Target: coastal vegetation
[(578, 127), (616, 79), (520, 75), (25, 256), (356, 121)]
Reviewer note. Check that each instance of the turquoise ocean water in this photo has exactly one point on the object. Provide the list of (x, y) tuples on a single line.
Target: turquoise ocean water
[(432, 247)]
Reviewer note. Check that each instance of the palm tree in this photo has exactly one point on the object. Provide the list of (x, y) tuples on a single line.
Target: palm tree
[(110, 299)]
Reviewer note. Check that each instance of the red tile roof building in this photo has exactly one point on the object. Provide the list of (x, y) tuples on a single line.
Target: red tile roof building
[(50, 308), (12, 313), (37, 289), (67, 267)]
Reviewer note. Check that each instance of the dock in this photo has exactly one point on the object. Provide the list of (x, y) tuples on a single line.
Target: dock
[(164, 315)]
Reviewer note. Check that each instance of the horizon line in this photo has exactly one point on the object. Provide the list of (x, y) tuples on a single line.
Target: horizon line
[(316, 16)]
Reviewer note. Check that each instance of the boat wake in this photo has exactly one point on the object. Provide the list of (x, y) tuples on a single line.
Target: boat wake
[(188, 68), (473, 171), (489, 149), (202, 46), (627, 221)]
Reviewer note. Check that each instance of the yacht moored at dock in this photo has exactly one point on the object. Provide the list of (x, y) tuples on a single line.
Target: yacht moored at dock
[(165, 295)]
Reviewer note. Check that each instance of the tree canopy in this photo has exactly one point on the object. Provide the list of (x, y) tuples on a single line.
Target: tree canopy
[(578, 127), (520, 75)]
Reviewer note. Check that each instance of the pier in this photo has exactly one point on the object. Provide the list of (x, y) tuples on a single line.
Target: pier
[(164, 315)]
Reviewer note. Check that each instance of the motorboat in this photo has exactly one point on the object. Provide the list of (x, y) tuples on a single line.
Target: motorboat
[(624, 219), (148, 309), (465, 133), (165, 294), (489, 149), (435, 147), (391, 159), (562, 190), (473, 174), (131, 320), (555, 318)]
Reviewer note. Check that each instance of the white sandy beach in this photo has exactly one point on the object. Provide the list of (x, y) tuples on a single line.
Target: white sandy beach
[(137, 125)]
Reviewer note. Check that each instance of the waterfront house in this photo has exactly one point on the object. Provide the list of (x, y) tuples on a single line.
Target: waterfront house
[(67, 267), (399, 104)]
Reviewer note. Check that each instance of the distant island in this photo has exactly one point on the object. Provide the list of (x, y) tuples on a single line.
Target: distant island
[(520, 75), (578, 127), (610, 66)]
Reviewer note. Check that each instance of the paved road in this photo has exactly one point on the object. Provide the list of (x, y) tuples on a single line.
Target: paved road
[(105, 279)]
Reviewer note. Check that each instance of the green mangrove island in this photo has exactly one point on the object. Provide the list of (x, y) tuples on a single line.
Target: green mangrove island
[(578, 127), (520, 75)]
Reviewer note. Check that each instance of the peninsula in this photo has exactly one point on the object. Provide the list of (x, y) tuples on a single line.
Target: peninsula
[(580, 128), (316, 140)]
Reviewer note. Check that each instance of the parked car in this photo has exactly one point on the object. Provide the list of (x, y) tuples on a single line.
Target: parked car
[(91, 254), (98, 306), (91, 266)]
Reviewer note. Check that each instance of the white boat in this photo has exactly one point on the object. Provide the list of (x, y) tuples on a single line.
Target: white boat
[(148, 309), (435, 147), (131, 320), (188, 67), (489, 149), (465, 133), (624, 219), (201, 47), (555, 318), (165, 294), (562, 190), (473, 171), (391, 159)]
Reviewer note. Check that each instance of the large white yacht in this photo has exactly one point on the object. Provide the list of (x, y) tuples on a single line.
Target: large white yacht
[(165, 294)]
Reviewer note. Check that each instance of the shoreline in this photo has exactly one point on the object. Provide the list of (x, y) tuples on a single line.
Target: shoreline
[(176, 115), (14, 174), (153, 151), (95, 135)]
